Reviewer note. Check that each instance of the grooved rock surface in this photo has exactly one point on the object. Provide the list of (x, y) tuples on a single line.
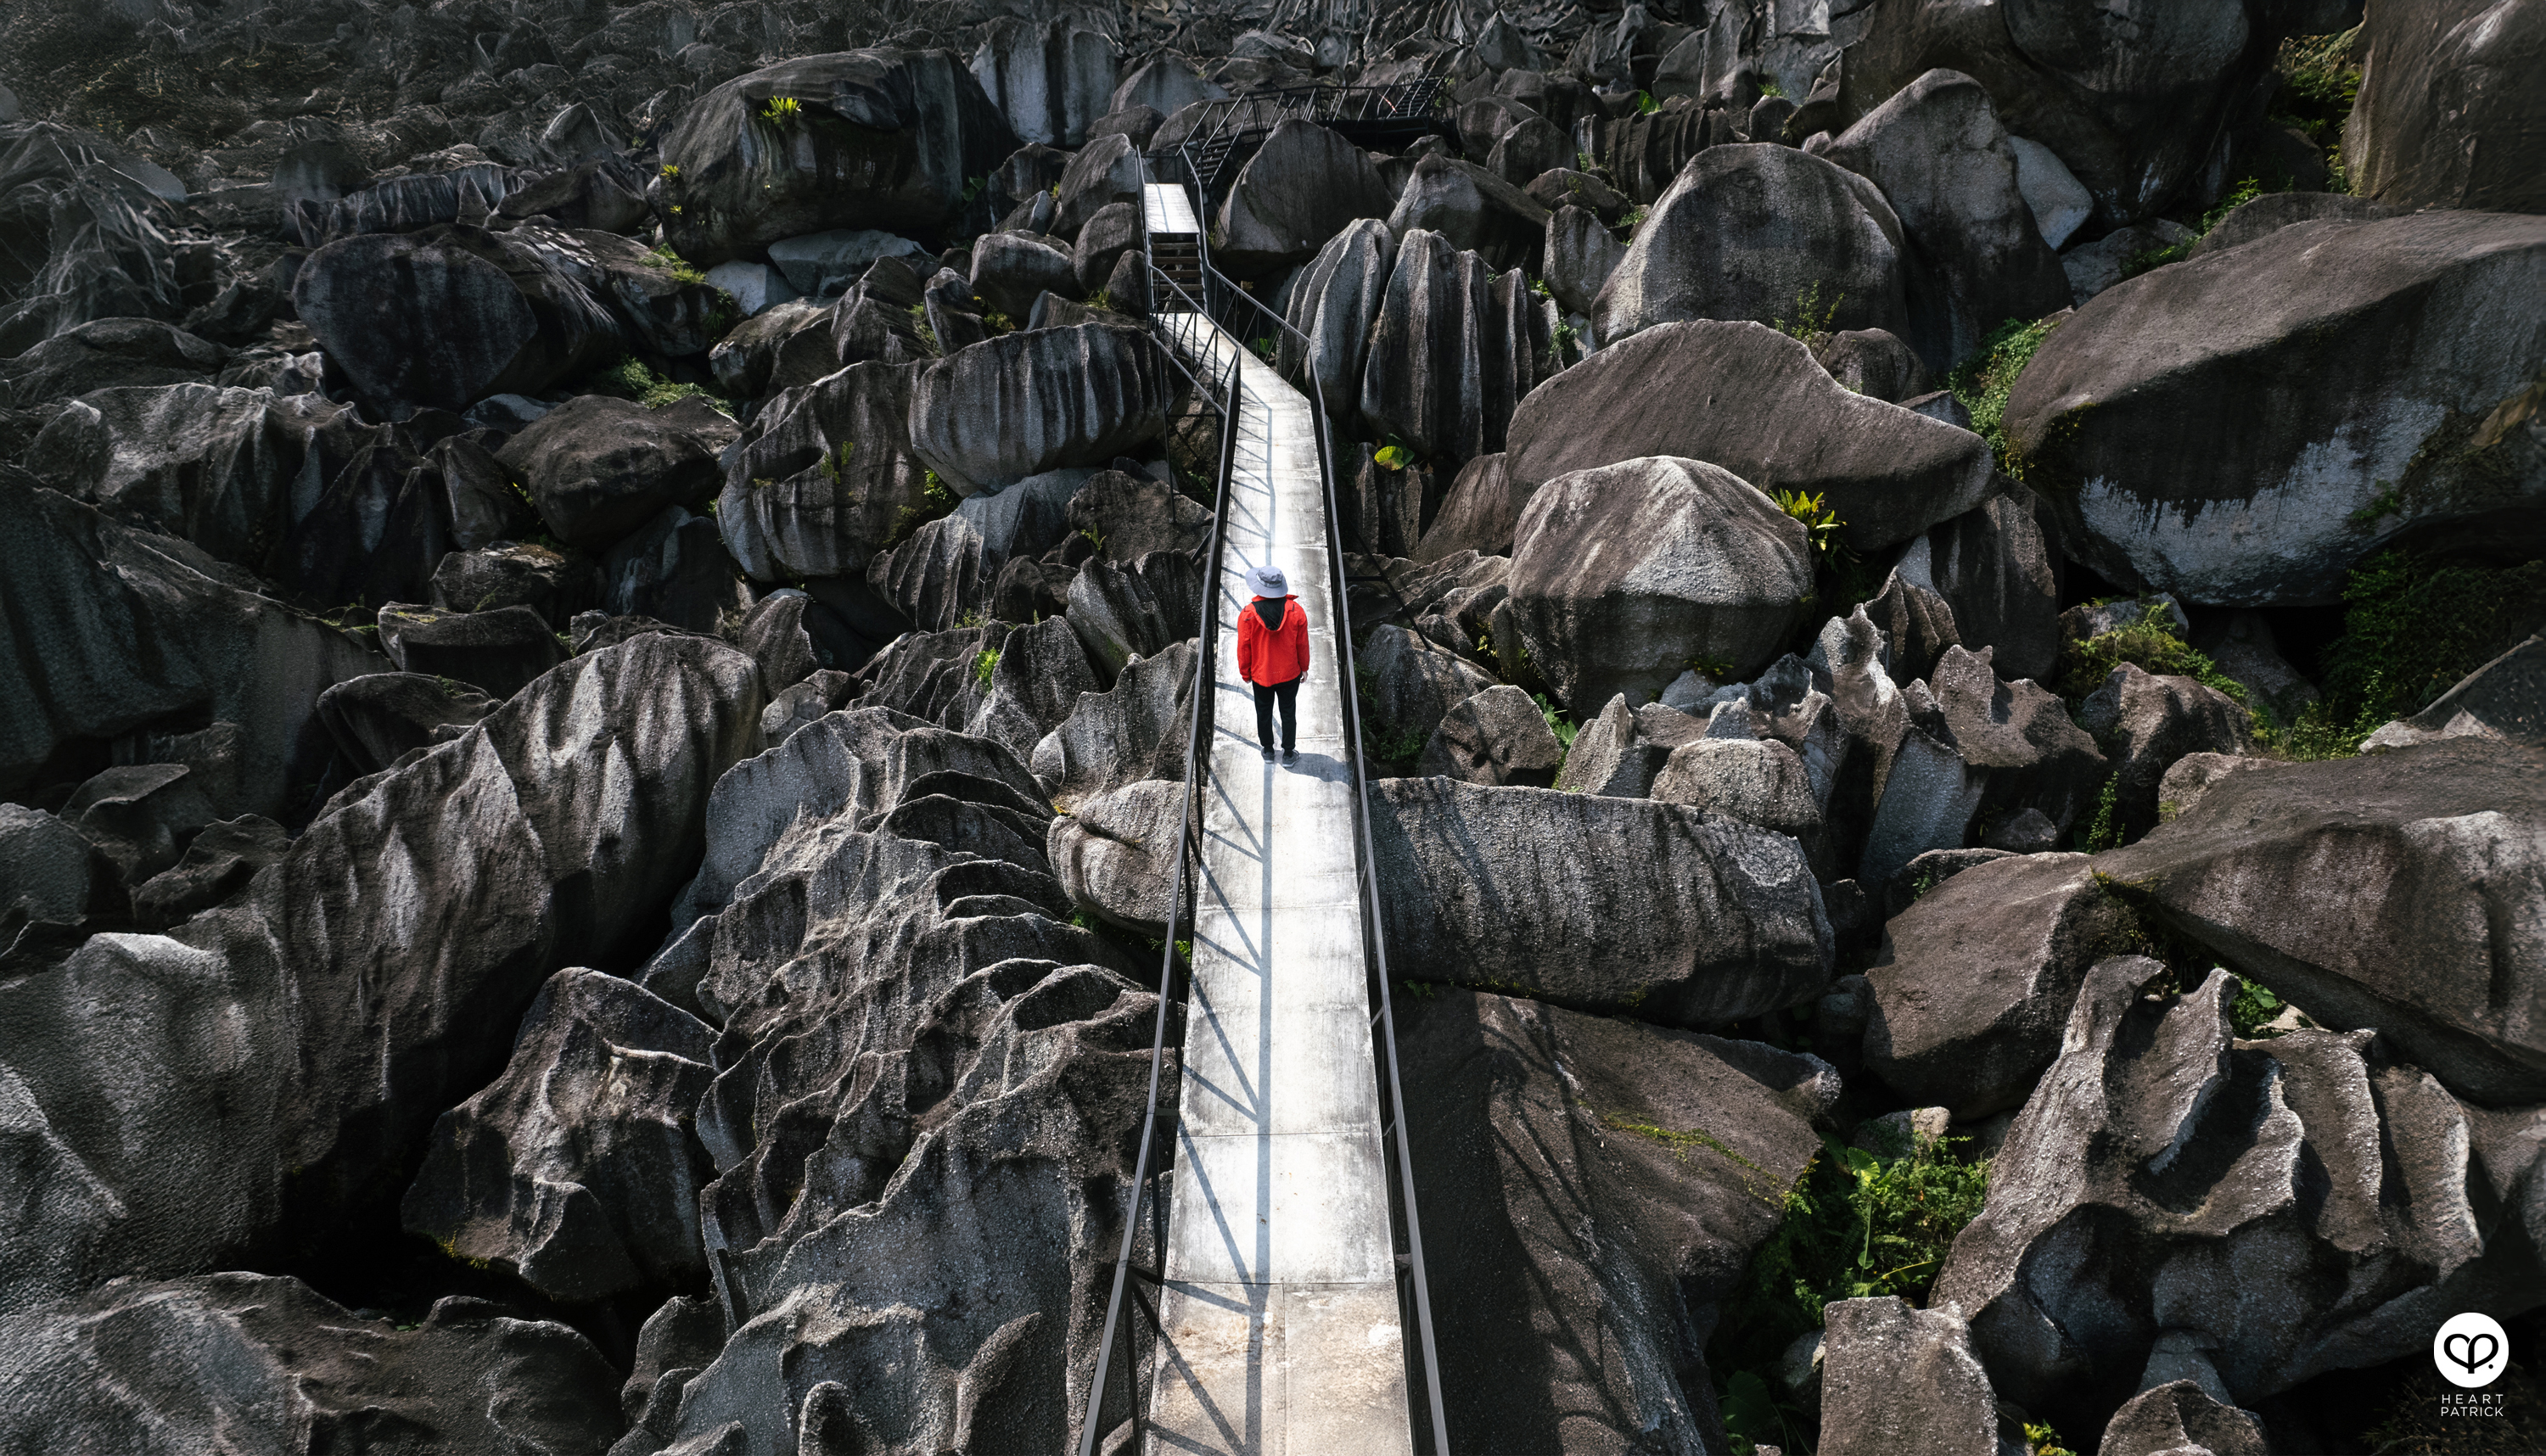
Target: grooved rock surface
[(577, 1169), (255, 1363), (1624, 574), (1017, 406), (558, 824), (1610, 904), (881, 139), (2293, 1206), (1760, 232)]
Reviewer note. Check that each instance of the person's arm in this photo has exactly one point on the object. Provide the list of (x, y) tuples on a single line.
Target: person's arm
[(1246, 645), (1298, 623)]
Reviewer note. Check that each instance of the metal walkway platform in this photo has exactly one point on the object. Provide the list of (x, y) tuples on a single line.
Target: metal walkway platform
[(1279, 1309)]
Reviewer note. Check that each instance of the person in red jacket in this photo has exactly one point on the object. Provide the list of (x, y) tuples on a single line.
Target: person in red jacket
[(1273, 655)]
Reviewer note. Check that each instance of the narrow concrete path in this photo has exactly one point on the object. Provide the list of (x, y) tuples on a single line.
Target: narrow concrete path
[(1280, 1307)]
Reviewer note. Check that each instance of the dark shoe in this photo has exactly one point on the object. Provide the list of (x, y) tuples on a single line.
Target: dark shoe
[(1268, 755), (1290, 755)]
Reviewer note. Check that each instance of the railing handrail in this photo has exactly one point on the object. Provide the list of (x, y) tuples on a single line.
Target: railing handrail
[(1196, 729)]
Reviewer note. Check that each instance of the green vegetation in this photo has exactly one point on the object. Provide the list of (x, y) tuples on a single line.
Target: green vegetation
[(1772, 87), (1556, 722), (836, 462), (2242, 193), (2252, 1007), (984, 664), (1393, 457), (630, 379), (1646, 105), (1812, 323), (927, 332), (1856, 1226), (2412, 628), (936, 503), (2103, 831), (2388, 501), (1821, 522), (2320, 77), (1984, 381), (2151, 644), (781, 111), (673, 262)]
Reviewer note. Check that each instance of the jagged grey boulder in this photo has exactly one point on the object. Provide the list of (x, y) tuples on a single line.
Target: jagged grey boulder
[(1035, 685), (2433, 850), (377, 719), (1998, 568), (1615, 905), (451, 315), (1106, 171), (263, 1363), (1115, 853), (495, 651), (2161, 1153), (2436, 125), (2506, 699), (1752, 401), (1127, 516), (823, 476), (576, 1170), (1896, 1378), (1052, 81), (1010, 270), (2018, 741), (1972, 990), (1023, 404), (1412, 684), (1610, 756), (1580, 255), (113, 629), (1624, 574), (879, 138), (564, 822), (2144, 722), (1495, 737), (219, 863), (1304, 185), (1333, 306), (1474, 210), (1454, 350), (1575, 1172), (1764, 234), (1133, 730), (109, 353), (1759, 781), (1874, 363), (599, 468), (2186, 423), (1976, 257), (2177, 1414)]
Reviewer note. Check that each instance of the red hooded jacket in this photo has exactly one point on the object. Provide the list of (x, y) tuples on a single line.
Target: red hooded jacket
[(1273, 655)]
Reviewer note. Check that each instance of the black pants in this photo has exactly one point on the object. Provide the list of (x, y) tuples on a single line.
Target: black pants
[(1287, 695)]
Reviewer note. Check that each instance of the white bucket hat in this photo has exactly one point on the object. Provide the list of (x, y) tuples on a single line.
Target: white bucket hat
[(1267, 581)]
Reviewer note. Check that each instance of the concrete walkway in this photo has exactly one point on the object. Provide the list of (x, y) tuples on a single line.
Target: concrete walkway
[(1280, 1307)]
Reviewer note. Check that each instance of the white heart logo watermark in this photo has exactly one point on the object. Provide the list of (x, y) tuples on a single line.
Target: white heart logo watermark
[(2471, 1349)]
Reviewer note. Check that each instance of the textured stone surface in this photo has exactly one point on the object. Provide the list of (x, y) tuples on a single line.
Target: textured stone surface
[(1973, 988), (1453, 351), (1752, 401), (2161, 1153), (2385, 360), (1556, 1223), (1750, 232), (365, 1019), (598, 467), (1304, 185), (1495, 737), (1623, 574), (2434, 851), (1023, 404), (1615, 905), (1898, 1378), (577, 1169)]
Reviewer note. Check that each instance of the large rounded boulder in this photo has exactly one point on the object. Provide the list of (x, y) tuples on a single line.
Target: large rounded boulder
[(1624, 577), (859, 138), (2241, 428), (1766, 233), (989, 415)]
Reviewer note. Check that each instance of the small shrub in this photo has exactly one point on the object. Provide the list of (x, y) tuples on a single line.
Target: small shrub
[(2252, 1006), (2320, 79), (1393, 457), (985, 663), (1556, 722), (1646, 105), (2152, 645), (2104, 830), (836, 462), (630, 378), (1984, 381), (1855, 1226), (1821, 523), (781, 111), (1812, 323), (1772, 88), (2388, 501)]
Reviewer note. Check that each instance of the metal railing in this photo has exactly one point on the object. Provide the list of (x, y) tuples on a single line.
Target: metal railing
[(1232, 309), (1393, 111)]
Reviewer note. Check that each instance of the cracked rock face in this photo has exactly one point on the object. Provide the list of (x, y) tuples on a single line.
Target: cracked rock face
[(2299, 1205)]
